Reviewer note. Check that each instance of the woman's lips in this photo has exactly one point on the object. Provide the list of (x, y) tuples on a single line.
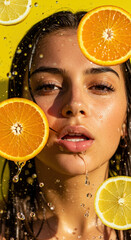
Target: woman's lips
[(75, 139)]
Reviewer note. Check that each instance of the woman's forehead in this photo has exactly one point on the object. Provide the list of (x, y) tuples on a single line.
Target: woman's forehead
[(58, 44)]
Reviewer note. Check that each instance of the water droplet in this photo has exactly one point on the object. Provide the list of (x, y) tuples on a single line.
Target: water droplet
[(19, 51), (41, 184), (89, 195), (20, 166), (29, 165), (30, 45), (9, 74), (86, 181), (30, 180), (41, 55), (82, 205), (57, 181), (51, 206), (15, 73), (61, 148), (36, 4), (79, 236), (34, 175), (32, 214), (16, 178), (20, 216), (86, 214)]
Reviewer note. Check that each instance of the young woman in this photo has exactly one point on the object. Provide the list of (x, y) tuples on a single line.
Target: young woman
[(89, 112)]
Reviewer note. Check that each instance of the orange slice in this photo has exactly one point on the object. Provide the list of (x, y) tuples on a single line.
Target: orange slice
[(23, 129), (113, 202), (104, 35)]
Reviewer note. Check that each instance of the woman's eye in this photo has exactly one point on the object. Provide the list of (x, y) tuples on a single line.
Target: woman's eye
[(48, 87), (102, 88)]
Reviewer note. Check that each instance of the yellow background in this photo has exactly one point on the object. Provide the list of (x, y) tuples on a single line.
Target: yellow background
[(11, 35)]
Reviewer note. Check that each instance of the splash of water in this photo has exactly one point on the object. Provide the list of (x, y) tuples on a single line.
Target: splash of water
[(20, 165)]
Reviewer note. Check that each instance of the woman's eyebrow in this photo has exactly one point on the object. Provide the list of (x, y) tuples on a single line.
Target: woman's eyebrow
[(101, 70), (49, 70)]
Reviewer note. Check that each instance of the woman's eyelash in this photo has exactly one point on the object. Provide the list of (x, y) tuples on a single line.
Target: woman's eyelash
[(47, 87), (102, 87)]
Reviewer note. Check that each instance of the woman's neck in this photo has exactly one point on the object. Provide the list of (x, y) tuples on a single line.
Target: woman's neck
[(71, 199)]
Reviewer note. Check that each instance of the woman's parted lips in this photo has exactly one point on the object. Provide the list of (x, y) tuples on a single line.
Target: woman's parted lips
[(72, 131)]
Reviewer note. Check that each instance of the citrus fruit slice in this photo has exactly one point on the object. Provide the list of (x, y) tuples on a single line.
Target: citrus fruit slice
[(13, 11), (23, 129), (113, 202), (104, 35)]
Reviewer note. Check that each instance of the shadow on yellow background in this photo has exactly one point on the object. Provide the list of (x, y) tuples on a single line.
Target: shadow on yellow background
[(10, 36)]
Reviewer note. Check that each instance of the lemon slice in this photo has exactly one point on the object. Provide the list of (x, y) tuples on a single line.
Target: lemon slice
[(113, 202), (13, 11)]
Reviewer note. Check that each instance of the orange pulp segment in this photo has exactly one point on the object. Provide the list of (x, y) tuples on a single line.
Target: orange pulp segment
[(23, 129)]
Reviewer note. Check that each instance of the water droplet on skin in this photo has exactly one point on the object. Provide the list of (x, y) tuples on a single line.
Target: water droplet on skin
[(57, 181), (79, 237), (41, 55), (61, 148), (52, 207), (86, 181), (89, 195), (32, 214), (41, 184), (20, 216), (86, 214), (82, 205)]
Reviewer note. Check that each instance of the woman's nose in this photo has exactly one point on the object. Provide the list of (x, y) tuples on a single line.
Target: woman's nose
[(74, 109)]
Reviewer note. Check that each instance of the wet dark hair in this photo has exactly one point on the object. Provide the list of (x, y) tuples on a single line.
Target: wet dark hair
[(24, 194)]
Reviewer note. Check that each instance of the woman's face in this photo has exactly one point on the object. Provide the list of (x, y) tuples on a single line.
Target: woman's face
[(84, 103)]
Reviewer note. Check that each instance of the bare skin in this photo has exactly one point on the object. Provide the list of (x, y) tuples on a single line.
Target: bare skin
[(84, 97)]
